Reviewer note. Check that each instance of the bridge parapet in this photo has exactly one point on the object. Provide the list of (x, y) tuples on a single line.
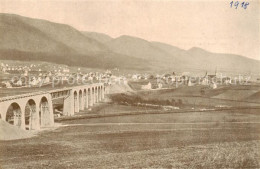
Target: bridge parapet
[(14, 97)]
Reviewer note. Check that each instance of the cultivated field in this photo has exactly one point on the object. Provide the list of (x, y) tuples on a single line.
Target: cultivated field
[(186, 140), (126, 136)]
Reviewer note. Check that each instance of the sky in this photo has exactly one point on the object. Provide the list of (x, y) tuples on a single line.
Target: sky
[(212, 25)]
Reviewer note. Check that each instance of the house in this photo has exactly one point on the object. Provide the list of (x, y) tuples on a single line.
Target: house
[(66, 70), (190, 83), (39, 79), (4, 69), (160, 85), (47, 79), (19, 83), (90, 78), (147, 87), (125, 81), (226, 80), (64, 78), (135, 76), (33, 82), (7, 84), (213, 85), (207, 79)]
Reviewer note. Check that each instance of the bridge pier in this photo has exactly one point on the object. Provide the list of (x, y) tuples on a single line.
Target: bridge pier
[(51, 115), (68, 105), (98, 94), (102, 92), (32, 118), (90, 101), (76, 102), (46, 113), (86, 99), (81, 101), (20, 119), (93, 97), (35, 119)]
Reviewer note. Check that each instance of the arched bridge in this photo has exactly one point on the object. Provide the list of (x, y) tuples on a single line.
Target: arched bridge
[(34, 111)]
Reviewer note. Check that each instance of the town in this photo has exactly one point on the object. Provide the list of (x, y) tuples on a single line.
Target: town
[(36, 75)]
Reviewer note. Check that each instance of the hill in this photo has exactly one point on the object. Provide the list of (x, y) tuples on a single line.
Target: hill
[(25, 38), (167, 57), (26, 34), (100, 37)]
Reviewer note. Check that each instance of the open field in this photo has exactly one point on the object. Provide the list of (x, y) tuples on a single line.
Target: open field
[(214, 139), (199, 95), (120, 136)]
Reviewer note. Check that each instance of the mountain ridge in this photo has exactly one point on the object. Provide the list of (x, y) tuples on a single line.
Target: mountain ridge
[(37, 39)]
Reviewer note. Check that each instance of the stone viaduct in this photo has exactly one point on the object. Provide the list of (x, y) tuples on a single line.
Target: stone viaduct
[(34, 111)]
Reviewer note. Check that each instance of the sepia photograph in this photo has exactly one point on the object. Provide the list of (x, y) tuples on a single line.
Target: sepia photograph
[(149, 84)]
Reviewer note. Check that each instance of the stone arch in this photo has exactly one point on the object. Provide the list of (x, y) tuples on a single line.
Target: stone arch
[(85, 99), (93, 95), (76, 101), (89, 97), (45, 112), (31, 115), (99, 94), (14, 115), (96, 94), (105, 90), (102, 92), (80, 99)]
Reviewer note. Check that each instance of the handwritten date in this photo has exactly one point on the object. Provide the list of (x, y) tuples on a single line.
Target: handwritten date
[(236, 4)]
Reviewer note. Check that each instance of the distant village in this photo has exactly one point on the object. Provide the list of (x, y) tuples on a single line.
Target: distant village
[(35, 75)]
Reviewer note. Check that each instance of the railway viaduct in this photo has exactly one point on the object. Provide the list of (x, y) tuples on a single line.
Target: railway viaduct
[(33, 111)]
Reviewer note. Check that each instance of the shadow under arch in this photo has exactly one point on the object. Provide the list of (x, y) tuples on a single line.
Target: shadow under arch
[(85, 99), (75, 101), (44, 113), (80, 99), (31, 116), (89, 97), (14, 115)]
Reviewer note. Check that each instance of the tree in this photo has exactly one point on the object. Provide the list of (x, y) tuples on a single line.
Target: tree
[(168, 102), (180, 102), (173, 102)]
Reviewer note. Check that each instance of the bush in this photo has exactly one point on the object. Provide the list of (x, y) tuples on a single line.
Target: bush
[(180, 102), (173, 103), (135, 99)]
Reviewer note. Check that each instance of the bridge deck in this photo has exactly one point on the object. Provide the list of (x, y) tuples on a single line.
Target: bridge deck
[(4, 92)]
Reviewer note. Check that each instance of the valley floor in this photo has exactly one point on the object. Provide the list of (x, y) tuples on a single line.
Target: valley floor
[(174, 140)]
